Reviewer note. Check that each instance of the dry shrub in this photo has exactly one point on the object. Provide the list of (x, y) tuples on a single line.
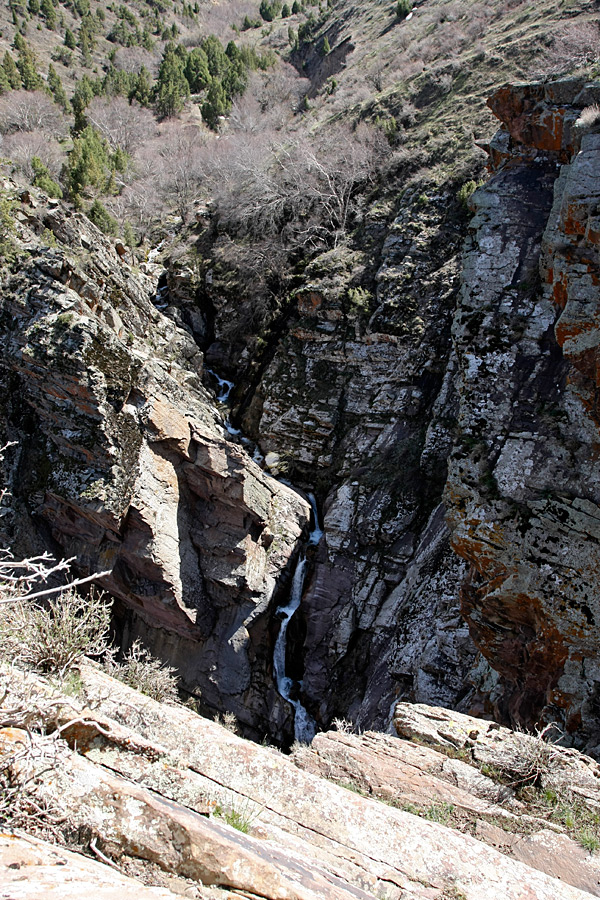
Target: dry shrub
[(573, 45), (590, 116), (22, 765), (54, 636), (145, 673)]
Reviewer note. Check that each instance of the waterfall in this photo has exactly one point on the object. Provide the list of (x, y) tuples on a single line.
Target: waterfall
[(305, 726)]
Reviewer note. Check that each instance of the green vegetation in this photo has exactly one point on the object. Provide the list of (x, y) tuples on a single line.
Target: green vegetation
[(43, 180), (403, 8)]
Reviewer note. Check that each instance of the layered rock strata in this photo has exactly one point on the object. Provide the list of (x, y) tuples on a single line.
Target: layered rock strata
[(137, 780)]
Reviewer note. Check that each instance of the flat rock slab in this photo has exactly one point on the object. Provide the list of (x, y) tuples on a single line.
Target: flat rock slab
[(31, 869), (390, 849)]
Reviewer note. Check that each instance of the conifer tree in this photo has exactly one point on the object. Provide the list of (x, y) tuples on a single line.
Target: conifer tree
[(49, 13), (196, 70), (142, 88), (70, 41), (172, 88), (215, 105), (11, 71), (56, 89), (43, 179), (4, 83), (88, 162), (27, 66)]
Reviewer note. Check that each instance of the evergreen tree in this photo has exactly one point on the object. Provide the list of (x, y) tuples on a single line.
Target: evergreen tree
[(27, 66), (172, 88), (129, 238), (326, 46), (49, 13), (142, 88), (196, 70), (56, 89), (4, 82), (43, 179), (70, 41), (11, 71), (34, 7), (295, 8), (88, 162), (215, 105), (82, 96), (102, 219), (218, 62), (285, 11)]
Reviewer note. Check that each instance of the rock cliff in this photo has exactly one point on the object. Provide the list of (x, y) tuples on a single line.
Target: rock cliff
[(123, 461), (522, 492), (440, 401)]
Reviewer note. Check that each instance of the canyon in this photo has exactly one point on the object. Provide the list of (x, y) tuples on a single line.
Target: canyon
[(446, 422)]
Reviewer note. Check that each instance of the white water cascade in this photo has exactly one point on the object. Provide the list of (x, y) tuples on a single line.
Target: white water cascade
[(305, 726), (225, 388)]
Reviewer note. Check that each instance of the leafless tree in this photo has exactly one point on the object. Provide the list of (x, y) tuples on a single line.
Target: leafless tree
[(22, 146), (132, 59), (172, 166), (124, 125), (302, 191), (31, 111)]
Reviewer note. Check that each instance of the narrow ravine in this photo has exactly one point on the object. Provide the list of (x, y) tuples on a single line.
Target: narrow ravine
[(305, 726)]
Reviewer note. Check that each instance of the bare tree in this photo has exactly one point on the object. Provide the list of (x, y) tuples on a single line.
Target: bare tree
[(22, 146), (31, 111), (125, 125), (303, 191)]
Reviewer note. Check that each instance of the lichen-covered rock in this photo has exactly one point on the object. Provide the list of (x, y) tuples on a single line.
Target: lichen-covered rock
[(138, 776), (358, 404), (124, 461), (522, 491)]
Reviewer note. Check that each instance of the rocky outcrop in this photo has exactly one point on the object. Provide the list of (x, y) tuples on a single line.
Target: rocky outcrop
[(136, 780), (32, 869), (356, 404), (124, 463), (522, 491)]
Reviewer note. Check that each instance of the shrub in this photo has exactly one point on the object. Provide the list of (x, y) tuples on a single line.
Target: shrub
[(43, 179), (145, 673), (54, 636), (464, 193), (403, 7), (589, 117)]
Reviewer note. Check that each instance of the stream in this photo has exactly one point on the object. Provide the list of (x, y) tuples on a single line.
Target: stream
[(305, 726)]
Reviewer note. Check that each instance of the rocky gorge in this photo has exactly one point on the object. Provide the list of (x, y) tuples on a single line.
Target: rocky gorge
[(444, 415)]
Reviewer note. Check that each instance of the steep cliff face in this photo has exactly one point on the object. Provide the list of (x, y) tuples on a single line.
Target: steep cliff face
[(359, 403), (123, 462), (522, 492)]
